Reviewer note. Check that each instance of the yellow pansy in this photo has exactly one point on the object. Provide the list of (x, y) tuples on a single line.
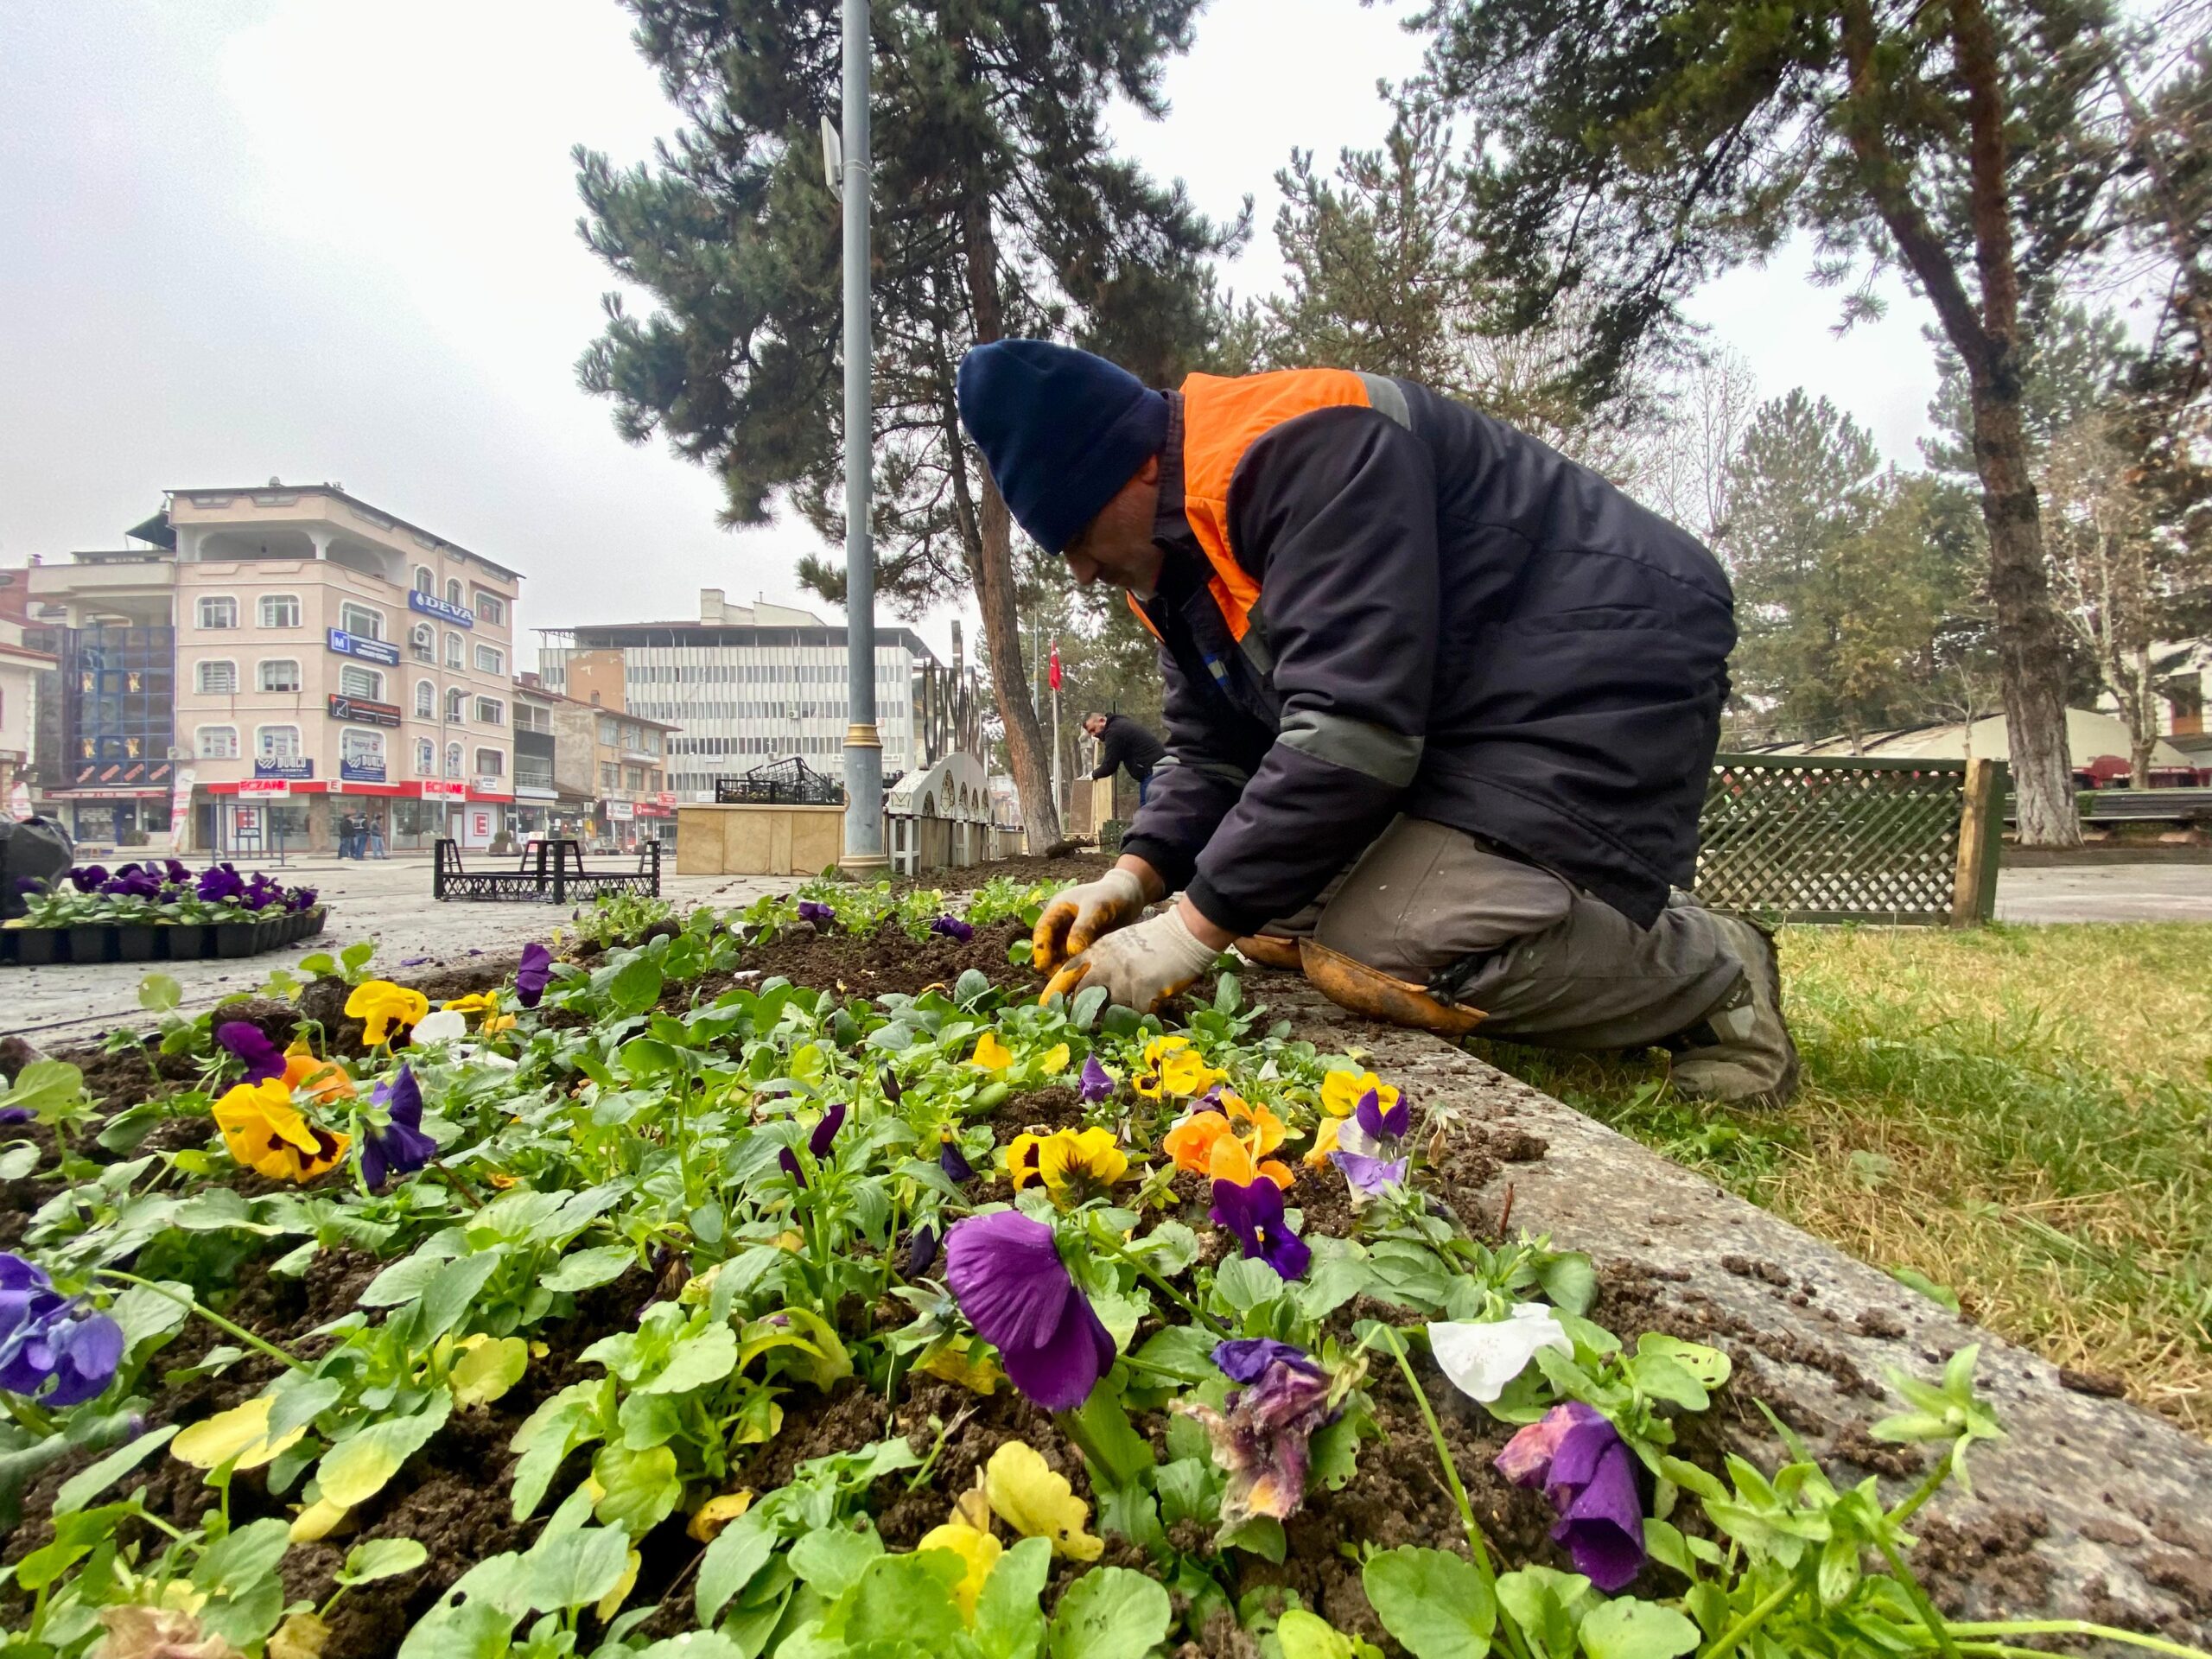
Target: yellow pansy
[(1324, 1142), (1055, 1060), (265, 1131), (379, 1005), (1341, 1092), (711, 1516), (475, 1002), (1026, 1494), (991, 1055), (1175, 1070), (1022, 1159), (1075, 1166), (978, 1551)]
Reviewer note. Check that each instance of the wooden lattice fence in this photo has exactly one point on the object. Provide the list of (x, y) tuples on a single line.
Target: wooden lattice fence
[(1837, 838)]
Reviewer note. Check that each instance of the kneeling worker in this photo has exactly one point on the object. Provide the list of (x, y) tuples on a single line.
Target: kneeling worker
[(1439, 703)]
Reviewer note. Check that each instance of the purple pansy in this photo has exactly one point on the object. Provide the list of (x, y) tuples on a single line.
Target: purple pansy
[(893, 1091), (1095, 1084), (1263, 1440), (46, 1337), (13, 1115), (787, 1160), (88, 878), (176, 869), (953, 1161), (1369, 1177), (533, 975), (921, 1255), (400, 1147), (814, 911), (133, 881), (825, 1132), (1006, 1273), (1255, 1214), (263, 1059), (953, 927), (1381, 1125), (220, 883), (303, 899), (1588, 1473)]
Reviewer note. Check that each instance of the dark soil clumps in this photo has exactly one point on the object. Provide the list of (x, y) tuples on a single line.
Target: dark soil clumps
[(887, 961)]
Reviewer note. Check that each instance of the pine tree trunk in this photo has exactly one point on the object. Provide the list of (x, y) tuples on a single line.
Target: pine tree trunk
[(994, 584)]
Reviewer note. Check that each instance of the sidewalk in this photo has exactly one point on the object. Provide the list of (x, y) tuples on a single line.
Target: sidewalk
[(2106, 892), (386, 900)]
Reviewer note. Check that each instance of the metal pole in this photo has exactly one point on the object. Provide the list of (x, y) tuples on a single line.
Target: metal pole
[(863, 746)]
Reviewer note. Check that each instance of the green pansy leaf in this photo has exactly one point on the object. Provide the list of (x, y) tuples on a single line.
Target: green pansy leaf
[(577, 1568), (636, 985), (1109, 1613), (88, 1483), (1628, 1629), (382, 1558), (1434, 1603), (641, 1488), (740, 1550), (357, 1468), (587, 1269)]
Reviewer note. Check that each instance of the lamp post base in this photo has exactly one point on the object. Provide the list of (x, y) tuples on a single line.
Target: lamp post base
[(864, 854)]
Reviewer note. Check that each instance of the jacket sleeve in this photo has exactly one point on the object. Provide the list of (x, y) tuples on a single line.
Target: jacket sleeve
[(1194, 788), (1335, 512)]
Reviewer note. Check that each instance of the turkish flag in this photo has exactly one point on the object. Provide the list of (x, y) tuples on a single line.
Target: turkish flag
[(1053, 677)]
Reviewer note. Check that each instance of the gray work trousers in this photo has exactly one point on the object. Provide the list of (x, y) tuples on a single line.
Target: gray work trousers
[(1546, 962)]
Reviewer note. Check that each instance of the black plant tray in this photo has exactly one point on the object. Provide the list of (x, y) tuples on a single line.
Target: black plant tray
[(88, 942)]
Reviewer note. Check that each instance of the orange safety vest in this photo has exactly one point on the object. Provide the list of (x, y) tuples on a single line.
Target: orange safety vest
[(1223, 417)]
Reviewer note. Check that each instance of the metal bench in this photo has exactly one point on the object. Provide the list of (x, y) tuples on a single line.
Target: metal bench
[(549, 873)]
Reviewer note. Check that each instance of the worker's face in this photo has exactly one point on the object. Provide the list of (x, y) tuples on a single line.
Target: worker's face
[(1094, 726), (1117, 546)]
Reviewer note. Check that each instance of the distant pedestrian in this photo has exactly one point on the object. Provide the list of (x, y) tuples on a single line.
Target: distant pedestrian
[(1124, 744), (349, 836), (376, 838)]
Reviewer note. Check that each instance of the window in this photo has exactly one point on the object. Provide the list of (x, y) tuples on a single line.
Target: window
[(426, 700), (218, 611), (218, 742), (610, 776), (361, 619), (634, 779), (356, 747), (453, 651), (609, 732), (424, 581), (490, 711), (490, 659), (490, 607), (491, 762), (361, 682), (280, 610), (422, 641), (217, 679), (652, 742), (426, 758), (279, 674), (456, 706), (452, 759), (452, 592), (276, 742)]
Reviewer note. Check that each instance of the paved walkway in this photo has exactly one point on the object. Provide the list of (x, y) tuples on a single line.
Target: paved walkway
[(2106, 892), (388, 901)]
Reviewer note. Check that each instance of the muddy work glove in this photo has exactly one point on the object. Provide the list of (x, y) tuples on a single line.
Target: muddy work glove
[(1139, 967), (1080, 915)]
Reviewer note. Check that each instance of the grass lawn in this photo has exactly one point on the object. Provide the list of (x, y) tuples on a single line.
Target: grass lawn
[(2022, 1114)]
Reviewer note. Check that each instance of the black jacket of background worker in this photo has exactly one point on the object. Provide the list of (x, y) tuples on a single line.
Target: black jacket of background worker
[(1125, 743), (1458, 624)]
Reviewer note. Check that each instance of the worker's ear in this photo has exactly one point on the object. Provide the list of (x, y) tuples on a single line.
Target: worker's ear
[(1149, 472)]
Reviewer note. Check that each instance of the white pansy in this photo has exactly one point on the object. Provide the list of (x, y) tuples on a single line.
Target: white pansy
[(1482, 1358), (446, 1025)]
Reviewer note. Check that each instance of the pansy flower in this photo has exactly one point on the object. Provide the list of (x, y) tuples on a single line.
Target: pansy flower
[(1369, 1146), (815, 912), (1096, 1083), (53, 1349), (1229, 1139), (1174, 1070), (1342, 1091), (321, 1080), (1079, 1165), (379, 1005), (991, 1054), (400, 1147), (265, 1132), (825, 1134), (951, 1159), (88, 878), (1588, 1473), (1262, 1442), (250, 1046), (1253, 1211), (953, 927), (485, 1003), (534, 974), (220, 884), (1007, 1274)]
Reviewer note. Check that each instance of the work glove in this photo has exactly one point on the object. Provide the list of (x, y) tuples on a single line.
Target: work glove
[(1139, 967), (1078, 916)]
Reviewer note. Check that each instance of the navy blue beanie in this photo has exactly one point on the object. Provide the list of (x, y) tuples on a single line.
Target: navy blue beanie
[(1061, 430)]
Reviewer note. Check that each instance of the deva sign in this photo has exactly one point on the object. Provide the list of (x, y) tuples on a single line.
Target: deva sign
[(431, 605)]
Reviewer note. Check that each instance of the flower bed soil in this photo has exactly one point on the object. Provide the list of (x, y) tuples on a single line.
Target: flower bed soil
[(453, 1496)]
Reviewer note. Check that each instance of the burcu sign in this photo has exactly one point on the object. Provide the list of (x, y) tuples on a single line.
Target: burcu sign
[(431, 605)]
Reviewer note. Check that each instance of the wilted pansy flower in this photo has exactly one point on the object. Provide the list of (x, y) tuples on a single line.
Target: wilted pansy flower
[(261, 1058), (1262, 1442), (814, 911), (825, 1132), (953, 1161), (1588, 1473), (400, 1147), (50, 1339), (921, 1255), (1006, 1273), (953, 927)]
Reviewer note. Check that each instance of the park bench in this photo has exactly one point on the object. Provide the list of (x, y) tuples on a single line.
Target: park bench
[(550, 872)]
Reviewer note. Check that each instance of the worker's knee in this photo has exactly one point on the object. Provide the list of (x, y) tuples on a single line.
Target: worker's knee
[(1425, 896)]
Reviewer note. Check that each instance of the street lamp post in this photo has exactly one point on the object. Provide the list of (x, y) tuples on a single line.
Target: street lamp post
[(863, 746)]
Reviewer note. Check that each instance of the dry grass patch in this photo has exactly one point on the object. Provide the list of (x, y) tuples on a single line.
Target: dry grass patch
[(2022, 1114)]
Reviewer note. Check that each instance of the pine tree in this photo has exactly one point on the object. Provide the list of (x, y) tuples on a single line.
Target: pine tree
[(999, 210)]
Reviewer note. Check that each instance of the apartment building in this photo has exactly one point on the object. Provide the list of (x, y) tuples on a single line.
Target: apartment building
[(748, 684), (616, 763)]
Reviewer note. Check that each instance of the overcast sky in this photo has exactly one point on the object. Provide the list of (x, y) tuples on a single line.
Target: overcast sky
[(248, 239)]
